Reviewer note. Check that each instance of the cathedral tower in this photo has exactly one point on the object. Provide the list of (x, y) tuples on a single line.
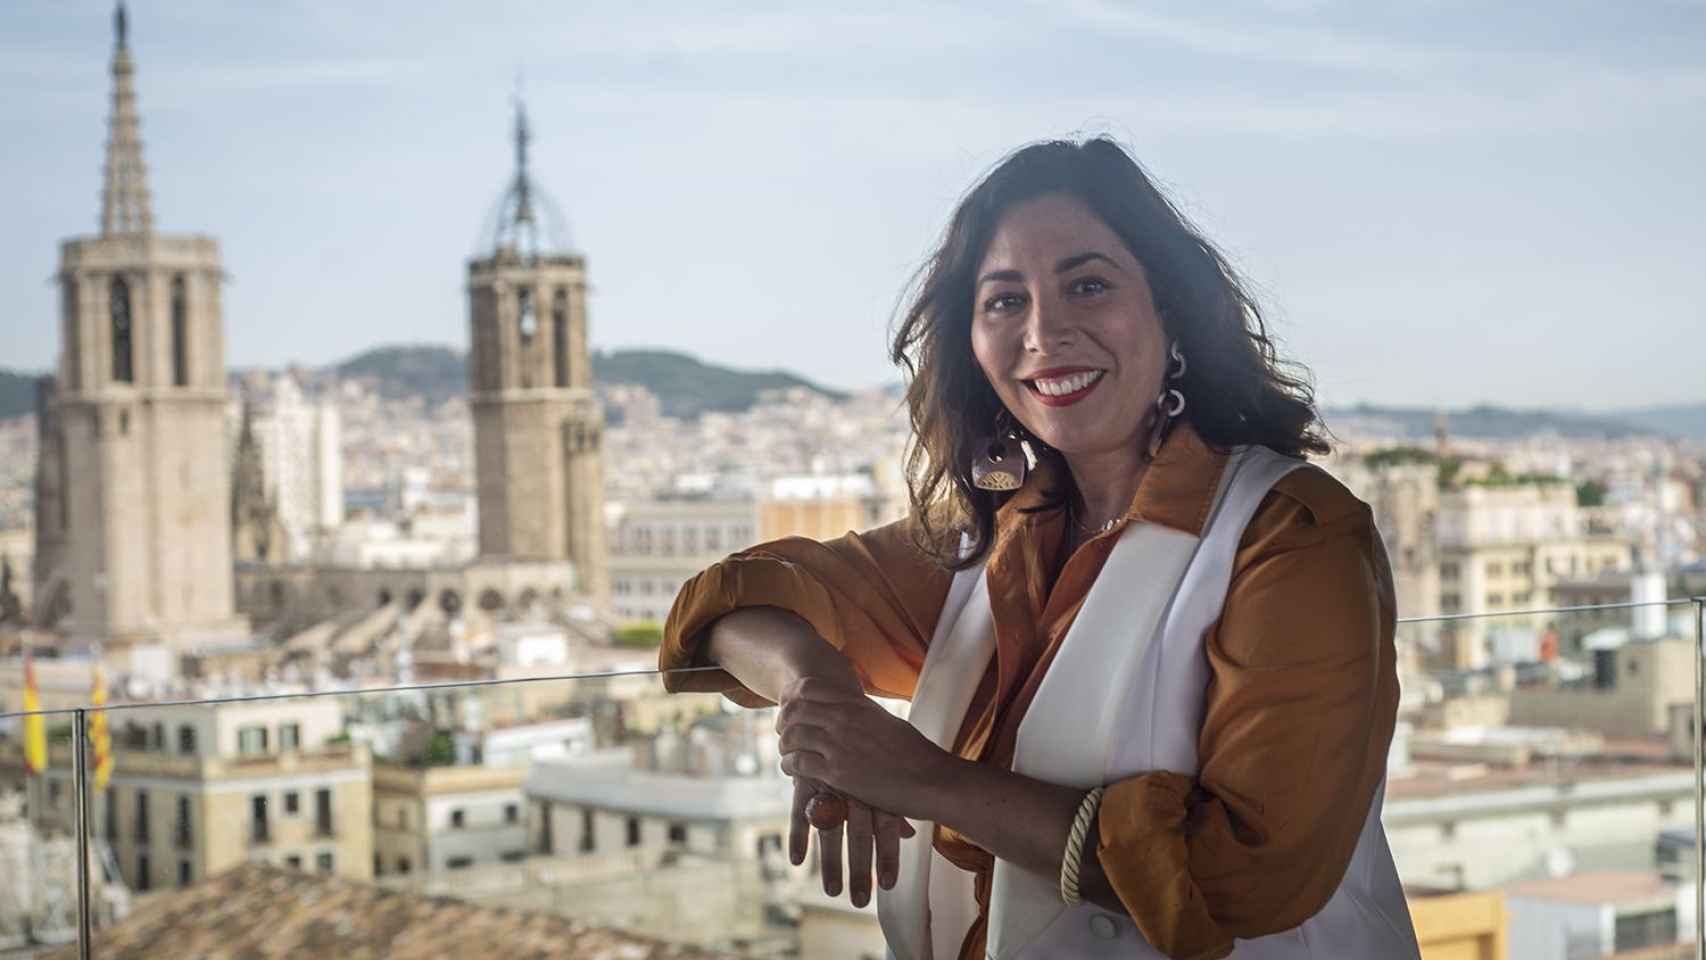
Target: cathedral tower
[(538, 429), (136, 502)]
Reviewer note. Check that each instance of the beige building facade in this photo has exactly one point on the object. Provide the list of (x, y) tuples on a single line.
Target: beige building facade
[(197, 789)]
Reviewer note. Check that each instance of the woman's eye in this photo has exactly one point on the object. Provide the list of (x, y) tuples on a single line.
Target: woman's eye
[(1001, 302), (1088, 286)]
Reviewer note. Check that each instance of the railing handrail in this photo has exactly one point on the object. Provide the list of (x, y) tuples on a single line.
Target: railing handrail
[(502, 681)]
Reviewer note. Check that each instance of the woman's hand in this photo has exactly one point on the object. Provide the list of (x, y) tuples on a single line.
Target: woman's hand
[(867, 831), (844, 739)]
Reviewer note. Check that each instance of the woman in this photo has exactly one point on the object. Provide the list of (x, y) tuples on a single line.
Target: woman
[(1149, 649)]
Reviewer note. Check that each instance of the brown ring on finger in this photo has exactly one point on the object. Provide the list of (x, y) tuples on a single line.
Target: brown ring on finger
[(826, 811)]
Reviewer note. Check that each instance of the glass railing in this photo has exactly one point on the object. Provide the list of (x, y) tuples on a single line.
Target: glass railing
[(1538, 753)]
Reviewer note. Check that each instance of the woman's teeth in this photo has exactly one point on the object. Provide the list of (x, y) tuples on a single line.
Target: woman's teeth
[(1061, 386)]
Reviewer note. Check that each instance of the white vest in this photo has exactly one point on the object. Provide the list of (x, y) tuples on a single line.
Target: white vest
[(1124, 695)]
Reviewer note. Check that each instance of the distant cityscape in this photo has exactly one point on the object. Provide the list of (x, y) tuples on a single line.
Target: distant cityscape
[(501, 533)]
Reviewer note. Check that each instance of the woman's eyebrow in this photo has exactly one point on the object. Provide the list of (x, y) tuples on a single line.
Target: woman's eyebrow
[(1079, 259), (1001, 276)]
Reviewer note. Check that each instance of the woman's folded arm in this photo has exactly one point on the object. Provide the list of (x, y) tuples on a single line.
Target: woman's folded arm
[(873, 595)]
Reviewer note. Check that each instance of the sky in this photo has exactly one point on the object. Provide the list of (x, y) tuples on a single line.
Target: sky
[(1441, 203)]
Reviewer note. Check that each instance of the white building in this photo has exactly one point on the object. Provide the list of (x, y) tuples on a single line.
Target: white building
[(302, 458), (1597, 914), (658, 544)]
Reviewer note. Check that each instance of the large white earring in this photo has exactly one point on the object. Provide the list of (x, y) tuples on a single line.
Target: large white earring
[(1170, 403)]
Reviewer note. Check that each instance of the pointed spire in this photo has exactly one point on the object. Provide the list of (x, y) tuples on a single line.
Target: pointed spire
[(523, 186), (124, 194)]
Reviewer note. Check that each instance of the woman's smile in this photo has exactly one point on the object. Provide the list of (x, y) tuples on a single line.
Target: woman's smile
[(1063, 387)]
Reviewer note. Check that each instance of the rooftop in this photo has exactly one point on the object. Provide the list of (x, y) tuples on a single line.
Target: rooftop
[(1608, 887), (662, 794), (262, 912)]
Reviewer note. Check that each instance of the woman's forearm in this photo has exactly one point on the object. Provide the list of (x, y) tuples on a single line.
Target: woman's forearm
[(1021, 820), (766, 648)]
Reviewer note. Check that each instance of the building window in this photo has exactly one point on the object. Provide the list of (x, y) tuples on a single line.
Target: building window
[(1639, 930), (513, 856), (183, 834), (1522, 568), (403, 865), (180, 333), (527, 321), (292, 803), (252, 740), (713, 538), (1448, 571), (259, 829), (1495, 569), (589, 841), (1450, 603), (157, 737), (458, 863), (186, 739), (323, 811), (141, 825), (111, 814), (678, 833), (633, 831), (512, 813), (123, 352), (144, 874), (560, 335), (53, 793), (289, 736), (1520, 599), (378, 865), (294, 861), (184, 873), (457, 819), (323, 862), (1495, 600), (1448, 830)]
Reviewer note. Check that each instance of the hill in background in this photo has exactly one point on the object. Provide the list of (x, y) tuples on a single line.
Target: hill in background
[(685, 386)]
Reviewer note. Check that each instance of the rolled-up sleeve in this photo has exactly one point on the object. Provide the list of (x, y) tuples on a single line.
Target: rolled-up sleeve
[(1299, 715), (873, 595)]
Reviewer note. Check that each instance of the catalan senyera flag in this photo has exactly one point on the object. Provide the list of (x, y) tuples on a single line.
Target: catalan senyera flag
[(35, 725), (100, 740)]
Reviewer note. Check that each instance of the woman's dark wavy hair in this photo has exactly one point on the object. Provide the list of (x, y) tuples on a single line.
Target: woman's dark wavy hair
[(1238, 390)]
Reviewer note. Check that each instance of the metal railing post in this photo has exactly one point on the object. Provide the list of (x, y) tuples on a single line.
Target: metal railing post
[(80, 823), (1699, 780)]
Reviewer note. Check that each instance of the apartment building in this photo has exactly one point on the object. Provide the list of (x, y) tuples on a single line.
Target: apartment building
[(197, 789), (446, 818)]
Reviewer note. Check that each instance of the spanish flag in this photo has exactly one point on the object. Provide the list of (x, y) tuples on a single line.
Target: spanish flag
[(35, 725), (100, 740)]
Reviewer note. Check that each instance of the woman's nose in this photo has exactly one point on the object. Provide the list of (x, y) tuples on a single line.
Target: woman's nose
[(1047, 326)]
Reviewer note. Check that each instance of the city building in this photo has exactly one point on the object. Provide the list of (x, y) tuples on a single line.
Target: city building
[(657, 545), (196, 789), (302, 459), (538, 429), (133, 425), (1611, 913), (446, 817)]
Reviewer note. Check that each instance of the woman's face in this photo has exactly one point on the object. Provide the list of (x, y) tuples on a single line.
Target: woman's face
[(1065, 329)]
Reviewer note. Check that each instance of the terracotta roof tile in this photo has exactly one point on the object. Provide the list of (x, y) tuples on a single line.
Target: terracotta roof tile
[(260, 912)]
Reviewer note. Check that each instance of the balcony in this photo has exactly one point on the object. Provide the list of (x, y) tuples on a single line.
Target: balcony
[(1534, 717)]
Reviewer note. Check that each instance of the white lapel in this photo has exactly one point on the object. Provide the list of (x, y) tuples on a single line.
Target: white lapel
[(1068, 731), (953, 666)]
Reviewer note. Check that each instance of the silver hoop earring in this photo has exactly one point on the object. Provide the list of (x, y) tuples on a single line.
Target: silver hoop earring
[(1178, 357)]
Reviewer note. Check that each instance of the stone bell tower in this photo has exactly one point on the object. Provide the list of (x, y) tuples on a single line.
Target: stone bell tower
[(136, 503), (538, 429)]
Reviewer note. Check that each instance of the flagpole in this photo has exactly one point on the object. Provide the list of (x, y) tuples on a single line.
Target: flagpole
[(80, 823)]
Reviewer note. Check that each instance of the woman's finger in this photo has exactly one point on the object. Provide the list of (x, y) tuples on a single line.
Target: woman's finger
[(889, 830), (829, 855), (799, 831), (859, 841)]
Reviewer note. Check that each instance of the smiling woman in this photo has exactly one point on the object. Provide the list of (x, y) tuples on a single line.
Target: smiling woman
[(1148, 648)]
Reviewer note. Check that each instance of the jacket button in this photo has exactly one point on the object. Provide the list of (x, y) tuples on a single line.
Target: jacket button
[(1103, 926)]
